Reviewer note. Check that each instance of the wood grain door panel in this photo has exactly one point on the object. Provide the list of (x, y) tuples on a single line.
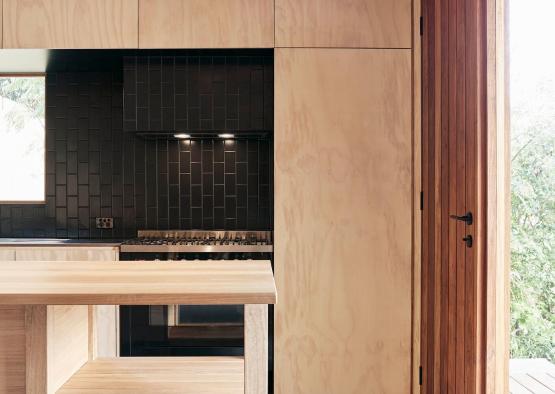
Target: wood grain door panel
[(70, 23), (454, 116), (344, 24), (343, 184), (206, 24)]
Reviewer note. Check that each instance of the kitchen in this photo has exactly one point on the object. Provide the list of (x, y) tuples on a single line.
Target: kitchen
[(278, 137)]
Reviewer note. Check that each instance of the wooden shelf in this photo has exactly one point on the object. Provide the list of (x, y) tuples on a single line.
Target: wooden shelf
[(149, 375)]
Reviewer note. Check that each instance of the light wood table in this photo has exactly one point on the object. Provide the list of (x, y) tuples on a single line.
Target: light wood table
[(54, 363)]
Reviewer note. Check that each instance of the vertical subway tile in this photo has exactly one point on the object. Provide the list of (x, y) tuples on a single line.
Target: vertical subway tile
[(96, 166)]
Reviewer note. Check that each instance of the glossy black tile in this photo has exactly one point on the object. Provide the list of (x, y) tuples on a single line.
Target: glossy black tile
[(96, 164)]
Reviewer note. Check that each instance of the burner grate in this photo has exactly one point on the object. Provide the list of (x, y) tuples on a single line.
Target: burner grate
[(200, 242)]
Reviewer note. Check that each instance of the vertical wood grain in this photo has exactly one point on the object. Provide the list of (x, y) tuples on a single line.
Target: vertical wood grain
[(67, 336), (343, 24), (206, 23), (12, 342), (417, 189), (256, 349), (497, 315), (343, 215), (70, 23), (454, 115), (105, 322), (36, 349), (12, 355)]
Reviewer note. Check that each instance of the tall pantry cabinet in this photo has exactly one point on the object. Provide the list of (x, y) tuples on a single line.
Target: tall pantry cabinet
[(344, 197)]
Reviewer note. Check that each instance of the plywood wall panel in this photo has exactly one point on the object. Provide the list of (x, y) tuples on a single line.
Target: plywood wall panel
[(206, 23), (343, 214), (70, 23), (345, 24)]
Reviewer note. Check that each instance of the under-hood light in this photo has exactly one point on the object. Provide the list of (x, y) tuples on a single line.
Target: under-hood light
[(182, 136)]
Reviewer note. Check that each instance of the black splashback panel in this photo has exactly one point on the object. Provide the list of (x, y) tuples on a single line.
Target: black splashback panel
[(198, 93), (95, 168)]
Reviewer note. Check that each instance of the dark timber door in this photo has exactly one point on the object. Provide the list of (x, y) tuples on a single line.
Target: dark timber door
[(452, 251)]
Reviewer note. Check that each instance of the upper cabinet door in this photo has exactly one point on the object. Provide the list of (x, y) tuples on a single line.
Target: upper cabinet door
[(343, 24), (206, 23), (70, 23)]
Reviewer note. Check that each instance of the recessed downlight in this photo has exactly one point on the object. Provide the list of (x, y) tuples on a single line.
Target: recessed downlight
[(182, 136), (226, 135)]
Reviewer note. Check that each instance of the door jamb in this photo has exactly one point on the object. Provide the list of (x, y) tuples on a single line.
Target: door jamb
[(496, 174)]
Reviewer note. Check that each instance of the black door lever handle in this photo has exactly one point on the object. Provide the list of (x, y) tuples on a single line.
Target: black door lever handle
[(468, 241), (465, 218)]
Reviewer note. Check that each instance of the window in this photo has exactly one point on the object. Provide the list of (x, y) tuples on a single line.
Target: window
[(22, 139)]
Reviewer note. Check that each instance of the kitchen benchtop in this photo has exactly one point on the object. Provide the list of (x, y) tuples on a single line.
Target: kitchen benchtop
[(136, 283), (58, 242)]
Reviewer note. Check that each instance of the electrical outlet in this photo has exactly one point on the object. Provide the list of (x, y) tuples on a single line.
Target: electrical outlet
[(104, 223)]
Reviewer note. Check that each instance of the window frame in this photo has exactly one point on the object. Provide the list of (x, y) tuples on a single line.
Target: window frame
[(23, 75)]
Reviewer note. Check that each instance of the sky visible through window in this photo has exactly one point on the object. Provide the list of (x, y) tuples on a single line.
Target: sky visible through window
[(532, 96), (22, 138)]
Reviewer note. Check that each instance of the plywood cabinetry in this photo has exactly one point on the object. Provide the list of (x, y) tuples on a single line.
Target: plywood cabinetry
[(7, 254), (57, 340), (23, 356), (70, 23), (343, 214), (66, 253), (104, 318), (206, 23), (12, 342), (346, 24)]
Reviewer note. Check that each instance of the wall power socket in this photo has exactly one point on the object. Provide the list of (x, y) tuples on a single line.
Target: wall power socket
[(104, 223)]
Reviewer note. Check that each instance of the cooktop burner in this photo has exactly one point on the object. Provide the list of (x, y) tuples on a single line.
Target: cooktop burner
[(188, 241)]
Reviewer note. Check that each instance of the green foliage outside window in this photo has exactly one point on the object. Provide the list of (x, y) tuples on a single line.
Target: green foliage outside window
[(533, 225)]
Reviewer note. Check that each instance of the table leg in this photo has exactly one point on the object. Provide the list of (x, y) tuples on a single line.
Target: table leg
[(256, 349)]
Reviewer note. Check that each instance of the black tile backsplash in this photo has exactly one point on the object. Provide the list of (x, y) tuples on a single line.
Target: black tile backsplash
[(96, 168), (198, 93)]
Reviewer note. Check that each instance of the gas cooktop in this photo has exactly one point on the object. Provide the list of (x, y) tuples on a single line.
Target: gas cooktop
[(193, 241)]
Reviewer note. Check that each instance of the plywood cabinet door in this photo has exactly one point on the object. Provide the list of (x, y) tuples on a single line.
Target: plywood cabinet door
[(53, 253), (70, 23), (206, 23), (344, 24), (343, 184), (7, 254)]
